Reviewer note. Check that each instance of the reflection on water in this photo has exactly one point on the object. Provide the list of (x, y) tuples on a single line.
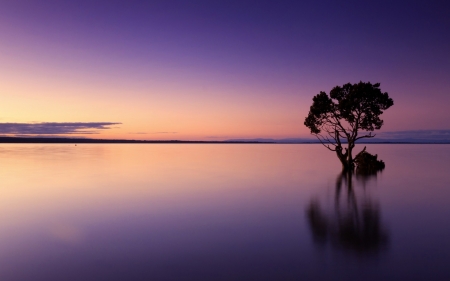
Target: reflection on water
[(221, 212), (354, 223)]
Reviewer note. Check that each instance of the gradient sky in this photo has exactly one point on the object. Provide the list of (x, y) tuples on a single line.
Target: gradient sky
[(213, 70)]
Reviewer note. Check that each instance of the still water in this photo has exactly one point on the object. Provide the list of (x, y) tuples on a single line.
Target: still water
[(221, 212)]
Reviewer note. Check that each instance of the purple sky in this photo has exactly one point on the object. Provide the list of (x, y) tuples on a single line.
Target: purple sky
[(219, 69)]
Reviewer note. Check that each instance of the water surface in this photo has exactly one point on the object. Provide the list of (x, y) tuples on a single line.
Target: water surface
[(221, 212)]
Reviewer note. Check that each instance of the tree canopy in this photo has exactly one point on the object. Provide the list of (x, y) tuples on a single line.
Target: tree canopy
[(347, 114)]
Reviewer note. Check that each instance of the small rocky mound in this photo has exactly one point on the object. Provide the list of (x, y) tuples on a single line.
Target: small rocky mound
[(367, 163)]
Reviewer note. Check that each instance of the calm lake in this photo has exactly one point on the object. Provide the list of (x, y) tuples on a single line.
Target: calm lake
[(221, 212)]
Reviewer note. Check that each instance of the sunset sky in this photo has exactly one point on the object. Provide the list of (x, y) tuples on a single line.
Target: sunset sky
[(215, 70)]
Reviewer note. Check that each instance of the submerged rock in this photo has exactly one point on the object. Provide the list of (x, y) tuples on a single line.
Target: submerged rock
[(367, 163)]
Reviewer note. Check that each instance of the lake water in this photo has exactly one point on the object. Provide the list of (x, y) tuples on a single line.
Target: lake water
[(221, 212)]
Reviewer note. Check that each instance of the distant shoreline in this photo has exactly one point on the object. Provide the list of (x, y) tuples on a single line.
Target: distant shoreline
[(122, 141), (83, 140)]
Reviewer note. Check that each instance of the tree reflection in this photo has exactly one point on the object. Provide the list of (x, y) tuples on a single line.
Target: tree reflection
[(354, 223)]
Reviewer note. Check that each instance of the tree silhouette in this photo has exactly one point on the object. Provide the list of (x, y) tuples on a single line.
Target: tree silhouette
[(349, 113)]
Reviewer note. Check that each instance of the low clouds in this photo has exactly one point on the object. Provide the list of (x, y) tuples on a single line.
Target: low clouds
[(424, 135), (419, 136), (55, 128), (151, 133)]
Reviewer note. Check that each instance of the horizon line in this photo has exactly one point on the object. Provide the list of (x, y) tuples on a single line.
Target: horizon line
[(20, 139)]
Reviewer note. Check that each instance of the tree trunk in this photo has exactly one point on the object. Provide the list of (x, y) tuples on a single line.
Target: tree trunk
[(343, 158), (350, 160), (346, 158), (346, 166)]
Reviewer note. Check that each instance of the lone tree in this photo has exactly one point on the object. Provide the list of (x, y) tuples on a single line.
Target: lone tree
[(349, 113)]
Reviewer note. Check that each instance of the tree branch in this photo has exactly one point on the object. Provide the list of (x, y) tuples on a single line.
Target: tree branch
[(326, 145), (366, 136)]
